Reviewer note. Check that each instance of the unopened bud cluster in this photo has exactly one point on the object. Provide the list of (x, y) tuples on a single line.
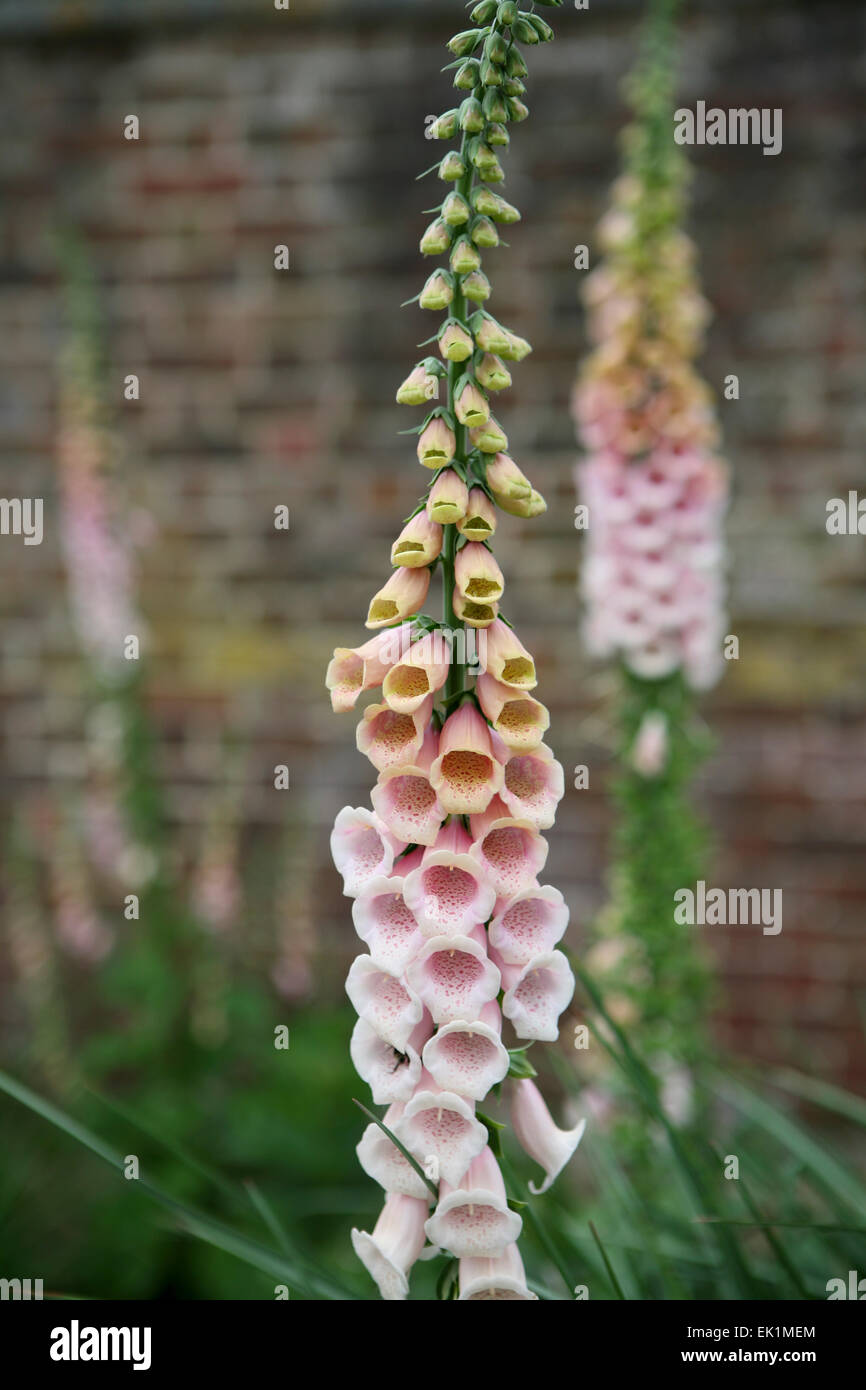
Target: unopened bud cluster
[(444, 869)]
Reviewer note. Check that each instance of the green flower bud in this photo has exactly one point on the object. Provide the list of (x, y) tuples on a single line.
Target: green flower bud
[(483, 232), (491, 205), (485, 160), (483, 13), (455, 209), (492, 374), (541, 27), (452, 167), (475, 286), (522, 30), (422, 383), (498, 135), (455, 343), (489, 335), (463, 43), (513, 87), (515, 65), (491, 75), (495, 48), (507, 12), (517, 348), (436, 239), (471, 116), (517, 111), (438, 291), (471, 406), (468, 75), (493, 105), (444, 127), (490, 438), (464, 257)]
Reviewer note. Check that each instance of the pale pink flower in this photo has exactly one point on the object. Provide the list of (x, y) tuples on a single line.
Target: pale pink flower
[(529, 924), (450, 891), (468, 1057), (474, 1219), (392, 1073), (362, 848), (454, 977), (466, 774), (386, 1001), (391, 739), (383, 1161), (405, 801), (536, 994), (355, 669), (510, 851), (533, 786), (650, 749), (397, 1241), (501, 1279), (439, 1128), (536, 1132), (385, 923)]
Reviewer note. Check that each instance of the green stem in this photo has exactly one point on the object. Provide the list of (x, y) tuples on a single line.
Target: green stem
[(456, 671)]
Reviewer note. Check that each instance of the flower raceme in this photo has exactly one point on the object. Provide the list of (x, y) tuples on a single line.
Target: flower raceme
[(653, 483), (461, 937)]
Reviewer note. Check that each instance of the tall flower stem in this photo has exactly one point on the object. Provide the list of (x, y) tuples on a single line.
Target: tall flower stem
[(460, 935)]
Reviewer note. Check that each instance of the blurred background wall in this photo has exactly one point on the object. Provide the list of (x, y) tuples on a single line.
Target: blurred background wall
[(258, 388)]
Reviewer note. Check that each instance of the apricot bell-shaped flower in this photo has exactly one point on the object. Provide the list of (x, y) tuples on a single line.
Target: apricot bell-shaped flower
[(397, 1241), (418, 544), (400, 597), (466, 775), (354, 669), (536, 1132), (476, 573)]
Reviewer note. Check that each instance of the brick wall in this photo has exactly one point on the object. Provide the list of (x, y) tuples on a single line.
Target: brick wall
[(257, 388)]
